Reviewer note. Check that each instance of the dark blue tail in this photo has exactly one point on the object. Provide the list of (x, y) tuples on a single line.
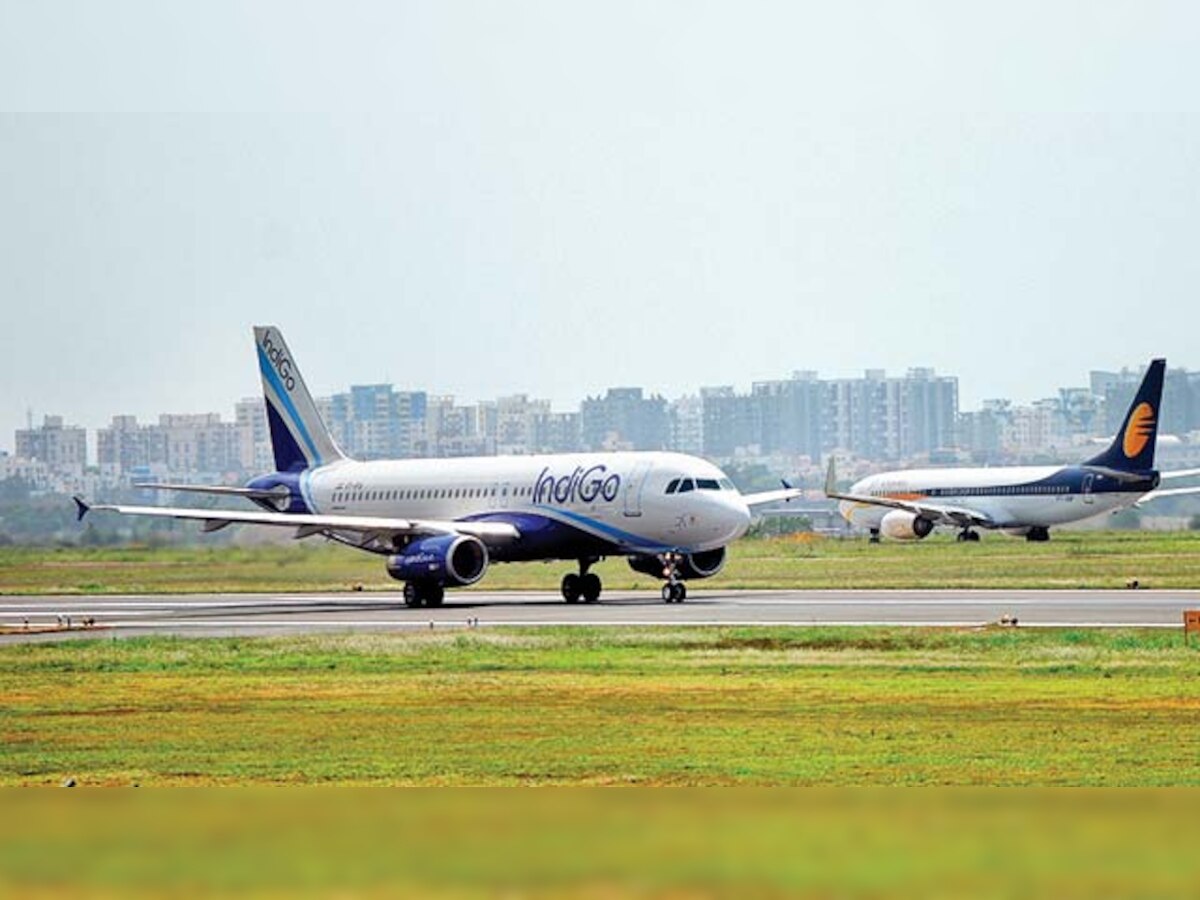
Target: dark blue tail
[(1132, 450)]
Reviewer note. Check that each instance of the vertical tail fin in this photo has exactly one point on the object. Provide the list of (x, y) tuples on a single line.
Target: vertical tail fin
[(299, 438), (1132, 450)]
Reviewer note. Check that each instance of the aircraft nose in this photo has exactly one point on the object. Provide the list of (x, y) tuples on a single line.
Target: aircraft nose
[(737, 514)]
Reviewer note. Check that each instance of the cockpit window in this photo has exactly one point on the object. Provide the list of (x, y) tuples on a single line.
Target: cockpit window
[(673, 485), (727, 485), (686, 485), (707, 484)]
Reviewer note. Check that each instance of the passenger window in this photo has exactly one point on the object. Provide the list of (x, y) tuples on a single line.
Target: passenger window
[(686, 485), (673, 485)]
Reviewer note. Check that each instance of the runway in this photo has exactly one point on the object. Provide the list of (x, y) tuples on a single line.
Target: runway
[(27, 618)]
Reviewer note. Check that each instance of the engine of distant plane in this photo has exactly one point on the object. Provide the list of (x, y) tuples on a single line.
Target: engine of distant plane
[(445, 559), (694, 565), (905, 526)]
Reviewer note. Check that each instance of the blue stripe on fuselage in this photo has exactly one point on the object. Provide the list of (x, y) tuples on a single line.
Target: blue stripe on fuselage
[(543, 537), (625, 539)]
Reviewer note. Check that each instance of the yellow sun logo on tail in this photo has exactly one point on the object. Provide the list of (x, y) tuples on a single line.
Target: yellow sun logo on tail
[(1138, 431)]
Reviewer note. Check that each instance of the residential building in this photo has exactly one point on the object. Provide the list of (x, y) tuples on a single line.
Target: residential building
[(63, 448)]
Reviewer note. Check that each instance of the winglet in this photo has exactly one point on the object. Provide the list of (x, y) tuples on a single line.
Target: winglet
[(81, 508), (785, 484), (831, 479)]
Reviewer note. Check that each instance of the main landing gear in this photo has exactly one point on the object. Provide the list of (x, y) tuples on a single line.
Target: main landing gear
[(874, 539), (1038, 533), (674, 591), (423, 594), (585, 586), (968, 535)]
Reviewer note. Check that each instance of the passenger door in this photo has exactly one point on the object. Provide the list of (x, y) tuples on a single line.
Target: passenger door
[(633, 488)]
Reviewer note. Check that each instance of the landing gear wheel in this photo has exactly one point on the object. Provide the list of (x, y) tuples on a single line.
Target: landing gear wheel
[(968, 536), (874, 539), (572, 589), (674, 592), (1038, 534), (412, 595), (434, 595), (589, 586)]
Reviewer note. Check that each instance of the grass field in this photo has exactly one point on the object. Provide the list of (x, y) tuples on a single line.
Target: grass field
[(1071, 559), (819, 706)]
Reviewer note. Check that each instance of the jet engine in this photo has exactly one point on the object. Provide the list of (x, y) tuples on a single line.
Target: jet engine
[(905, 526), (445, 559), (705, 564)]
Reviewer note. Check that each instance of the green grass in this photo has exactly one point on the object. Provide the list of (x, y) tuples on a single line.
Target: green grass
[(1070, 560), (750, 706)]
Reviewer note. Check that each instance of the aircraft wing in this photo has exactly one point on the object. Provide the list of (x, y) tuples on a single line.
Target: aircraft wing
[(368, 526), (939, 513)]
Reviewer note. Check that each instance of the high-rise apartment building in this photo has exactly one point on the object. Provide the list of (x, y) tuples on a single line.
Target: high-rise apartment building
[(624, 419)]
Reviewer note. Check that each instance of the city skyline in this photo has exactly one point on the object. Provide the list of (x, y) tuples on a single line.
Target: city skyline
[(792, 415), (33, 417)]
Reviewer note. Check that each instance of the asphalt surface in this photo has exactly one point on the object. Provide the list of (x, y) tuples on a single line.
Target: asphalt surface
[(196, 615)]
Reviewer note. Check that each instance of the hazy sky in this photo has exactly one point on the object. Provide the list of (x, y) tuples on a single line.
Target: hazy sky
[(552, 198)]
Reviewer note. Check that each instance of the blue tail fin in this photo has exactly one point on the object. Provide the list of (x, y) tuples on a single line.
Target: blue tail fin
[(299, 438), (1132, 450)]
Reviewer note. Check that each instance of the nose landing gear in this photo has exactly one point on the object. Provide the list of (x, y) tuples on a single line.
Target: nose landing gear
[(585, 586), (674, 591)]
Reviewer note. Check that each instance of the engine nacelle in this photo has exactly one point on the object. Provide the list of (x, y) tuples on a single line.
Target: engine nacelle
[(905, 526), (454, 559), (705, 564)]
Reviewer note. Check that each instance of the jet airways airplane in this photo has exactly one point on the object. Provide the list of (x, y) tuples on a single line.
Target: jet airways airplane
[(1021, 500), (441, 522)]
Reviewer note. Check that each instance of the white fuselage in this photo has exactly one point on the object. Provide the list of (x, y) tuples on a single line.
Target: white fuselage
[(562, 503), (1013, 497)]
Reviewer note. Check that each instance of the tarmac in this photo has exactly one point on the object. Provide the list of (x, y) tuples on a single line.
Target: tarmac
[(39, 618)]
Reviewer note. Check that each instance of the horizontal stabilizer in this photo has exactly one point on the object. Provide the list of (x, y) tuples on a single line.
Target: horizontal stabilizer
[(276, 493), (1179, 473), (1169, 492)]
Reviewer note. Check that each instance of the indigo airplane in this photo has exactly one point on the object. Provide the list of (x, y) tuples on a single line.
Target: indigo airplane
[(1021, 500), (441, 522)]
